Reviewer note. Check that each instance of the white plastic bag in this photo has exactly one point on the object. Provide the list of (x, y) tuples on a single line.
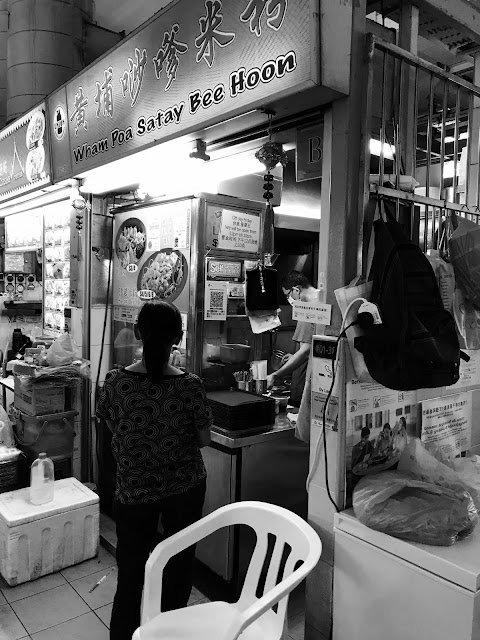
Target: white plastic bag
[(467, 321), (344, 297), (445, 276), (6, 431), (430, 466), (63, 351), (464, 248)]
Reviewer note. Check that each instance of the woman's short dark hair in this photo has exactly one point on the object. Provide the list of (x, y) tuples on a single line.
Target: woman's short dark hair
[(295, 279), (365, 432), (159, 325)]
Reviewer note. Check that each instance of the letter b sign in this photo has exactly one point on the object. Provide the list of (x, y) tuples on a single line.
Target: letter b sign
[(309, 152)]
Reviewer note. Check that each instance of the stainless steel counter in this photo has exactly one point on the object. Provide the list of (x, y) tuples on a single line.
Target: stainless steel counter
[(281, 429), (271, 466)]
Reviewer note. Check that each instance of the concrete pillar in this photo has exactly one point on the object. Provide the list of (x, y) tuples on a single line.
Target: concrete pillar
[(3, 61), (45, 48), (340, 228)]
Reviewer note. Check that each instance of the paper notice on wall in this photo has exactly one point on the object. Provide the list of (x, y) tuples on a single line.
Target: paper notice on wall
[(447, 422), (239, 231), (175, 226), (153, 233), (216, 300), (314, 312), (380, 422)]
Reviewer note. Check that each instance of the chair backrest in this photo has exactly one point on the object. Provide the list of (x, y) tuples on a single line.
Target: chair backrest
[(296, 551), (286, 550)]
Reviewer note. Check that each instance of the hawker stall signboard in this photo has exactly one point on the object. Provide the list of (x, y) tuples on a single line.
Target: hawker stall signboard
[(194, 64), (24, 155)]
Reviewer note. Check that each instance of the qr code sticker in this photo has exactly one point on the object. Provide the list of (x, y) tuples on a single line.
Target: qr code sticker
[(216, 300)]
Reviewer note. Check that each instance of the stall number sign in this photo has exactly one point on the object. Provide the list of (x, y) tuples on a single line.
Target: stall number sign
[(239, 231), (314, 312)]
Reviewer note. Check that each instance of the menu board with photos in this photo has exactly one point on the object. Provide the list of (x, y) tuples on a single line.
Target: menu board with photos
[(152, 255)]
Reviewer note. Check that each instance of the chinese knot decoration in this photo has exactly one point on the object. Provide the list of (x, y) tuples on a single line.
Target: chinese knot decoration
[(270, 154)]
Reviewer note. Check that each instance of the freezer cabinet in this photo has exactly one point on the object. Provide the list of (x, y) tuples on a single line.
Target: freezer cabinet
[(389, 588)]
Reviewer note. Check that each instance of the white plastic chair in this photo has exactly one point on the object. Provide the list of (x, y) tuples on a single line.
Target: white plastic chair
[(250, 618)]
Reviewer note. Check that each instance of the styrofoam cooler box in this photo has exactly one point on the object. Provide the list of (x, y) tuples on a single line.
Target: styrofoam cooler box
[(39, 539)]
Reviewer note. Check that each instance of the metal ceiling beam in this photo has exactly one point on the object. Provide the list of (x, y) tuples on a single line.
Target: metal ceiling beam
[(464, 14)]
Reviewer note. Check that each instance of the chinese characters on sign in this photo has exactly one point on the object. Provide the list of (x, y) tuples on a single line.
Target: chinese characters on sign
[(211, 58), (168, 54), (314, 312), (78, 114), (275, 10), (239, 231), (132, 78), (104, 96), (210, 35), (447, 422)]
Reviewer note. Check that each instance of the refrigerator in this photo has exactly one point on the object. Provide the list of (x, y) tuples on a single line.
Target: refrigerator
[(390, 588), (192, 252)]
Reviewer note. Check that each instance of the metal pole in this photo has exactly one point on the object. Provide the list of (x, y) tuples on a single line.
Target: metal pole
[(86, 446)]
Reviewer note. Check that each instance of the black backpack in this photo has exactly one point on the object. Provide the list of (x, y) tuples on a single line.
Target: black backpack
[(416, 346)]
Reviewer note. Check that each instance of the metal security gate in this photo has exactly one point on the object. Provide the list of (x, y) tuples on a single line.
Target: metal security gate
[(420, 132)]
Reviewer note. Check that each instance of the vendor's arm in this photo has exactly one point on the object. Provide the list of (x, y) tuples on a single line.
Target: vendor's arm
[(289, 367)]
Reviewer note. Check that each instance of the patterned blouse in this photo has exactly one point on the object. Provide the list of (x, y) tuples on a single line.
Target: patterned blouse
[(155, 433)]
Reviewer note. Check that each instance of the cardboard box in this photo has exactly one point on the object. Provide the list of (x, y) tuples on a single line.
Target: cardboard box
[(40, 400)]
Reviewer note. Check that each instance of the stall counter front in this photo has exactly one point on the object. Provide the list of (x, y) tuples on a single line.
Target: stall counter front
[(271, 466)]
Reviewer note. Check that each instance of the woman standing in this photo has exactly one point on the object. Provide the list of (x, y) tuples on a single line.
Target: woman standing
[(160, 419)]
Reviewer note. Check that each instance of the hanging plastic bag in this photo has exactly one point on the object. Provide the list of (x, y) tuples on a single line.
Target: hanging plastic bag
[(430, 465), (401, 506), (63, 351), (464, 248), (445, 275), (467, 321)]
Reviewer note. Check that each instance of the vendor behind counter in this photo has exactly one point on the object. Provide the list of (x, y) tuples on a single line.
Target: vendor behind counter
[(296, 286)]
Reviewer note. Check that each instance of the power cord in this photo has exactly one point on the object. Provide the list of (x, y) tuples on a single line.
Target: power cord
[(343, 333), (324, 427)]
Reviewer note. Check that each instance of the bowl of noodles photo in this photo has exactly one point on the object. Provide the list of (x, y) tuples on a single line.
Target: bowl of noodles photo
[(35, 130), (35, 163), (164, 273), (131, 242)]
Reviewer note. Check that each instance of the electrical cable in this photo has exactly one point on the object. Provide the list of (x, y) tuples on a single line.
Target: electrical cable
[(343, 333), (97, 382), (324, 427)]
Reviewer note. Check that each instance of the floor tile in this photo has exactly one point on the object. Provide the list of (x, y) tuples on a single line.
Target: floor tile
[(11, 627), (105, 613), (296, 601), (103, 594), (104, 560), (2, 598), (26, 589), (87, 627), (49, 608), (296, 626)]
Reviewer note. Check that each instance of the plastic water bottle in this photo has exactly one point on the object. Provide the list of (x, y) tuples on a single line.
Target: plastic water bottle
[(41, 480)]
